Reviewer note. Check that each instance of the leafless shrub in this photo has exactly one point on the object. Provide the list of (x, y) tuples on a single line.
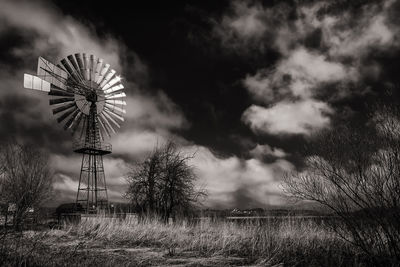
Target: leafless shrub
[(355, 172), (25, 178), (164, 184)]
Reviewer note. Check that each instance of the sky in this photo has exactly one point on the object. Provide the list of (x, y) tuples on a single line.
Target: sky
[(243, 85)]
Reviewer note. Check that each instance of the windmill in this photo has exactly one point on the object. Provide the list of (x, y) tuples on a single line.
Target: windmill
[(87, 98)]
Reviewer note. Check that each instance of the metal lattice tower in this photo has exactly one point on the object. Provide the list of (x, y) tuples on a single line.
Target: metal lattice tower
[(92, 189), (88, 95)]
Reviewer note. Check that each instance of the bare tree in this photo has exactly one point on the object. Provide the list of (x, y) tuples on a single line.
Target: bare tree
[(355, 172), (164, 184), (25, 178)]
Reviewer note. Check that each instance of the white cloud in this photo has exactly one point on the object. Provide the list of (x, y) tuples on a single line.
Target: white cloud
[(230, 180), (247, 21), (154, 111), (244, 25), (297, 75), (371, 32), (303, 64), (227, 180), (260, 85), (300, 117), (259, 151), (115, 168), (137, 143), (65, 183)]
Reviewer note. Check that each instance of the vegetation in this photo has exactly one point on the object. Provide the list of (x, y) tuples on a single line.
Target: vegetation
[(115, 242), (354, 171), (164, 184), (25, 179)]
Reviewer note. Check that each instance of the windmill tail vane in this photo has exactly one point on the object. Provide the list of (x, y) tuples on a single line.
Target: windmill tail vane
[(87, 97)]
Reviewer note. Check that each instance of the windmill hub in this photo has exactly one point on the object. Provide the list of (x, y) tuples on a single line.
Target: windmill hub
[(88, 100), (91, 97)]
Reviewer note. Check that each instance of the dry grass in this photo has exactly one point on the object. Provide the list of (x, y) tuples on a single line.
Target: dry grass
[(113, 242), (290, 241)]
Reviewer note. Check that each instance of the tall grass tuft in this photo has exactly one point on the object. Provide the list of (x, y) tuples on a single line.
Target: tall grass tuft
[(289, 241)]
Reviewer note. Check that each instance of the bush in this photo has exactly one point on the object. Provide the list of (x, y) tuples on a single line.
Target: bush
[(354, 171)]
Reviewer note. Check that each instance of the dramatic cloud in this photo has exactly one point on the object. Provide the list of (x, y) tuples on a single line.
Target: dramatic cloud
[(155, 111), (300, 117), (234, 182), (371, 31), (317, 48), (297, 75)]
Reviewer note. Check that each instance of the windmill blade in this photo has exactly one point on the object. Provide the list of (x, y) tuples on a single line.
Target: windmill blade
[(70, 70), (75, 66), (114, 114), (61, 67), (102, 73), (113, 81), (112, 108), (97, 71), (51, 73), (55, 92), (71, 120), (61, 100), (107, 124), (64, 107), (111, 119), (118, 95), (78, 58), (93, 62), (116, 102), (77, 122), (114, 89), (86, 63), (35, 83), (66, 114), (107, 78), (66, 82), (104, 127)]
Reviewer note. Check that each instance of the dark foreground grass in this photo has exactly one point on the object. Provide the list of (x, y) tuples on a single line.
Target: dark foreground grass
[(113, 242)]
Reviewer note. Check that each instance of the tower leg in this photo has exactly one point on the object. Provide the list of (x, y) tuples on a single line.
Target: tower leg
[(92, 189)]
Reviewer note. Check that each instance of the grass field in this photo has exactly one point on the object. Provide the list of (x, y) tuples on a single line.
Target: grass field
[(113, 242)]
